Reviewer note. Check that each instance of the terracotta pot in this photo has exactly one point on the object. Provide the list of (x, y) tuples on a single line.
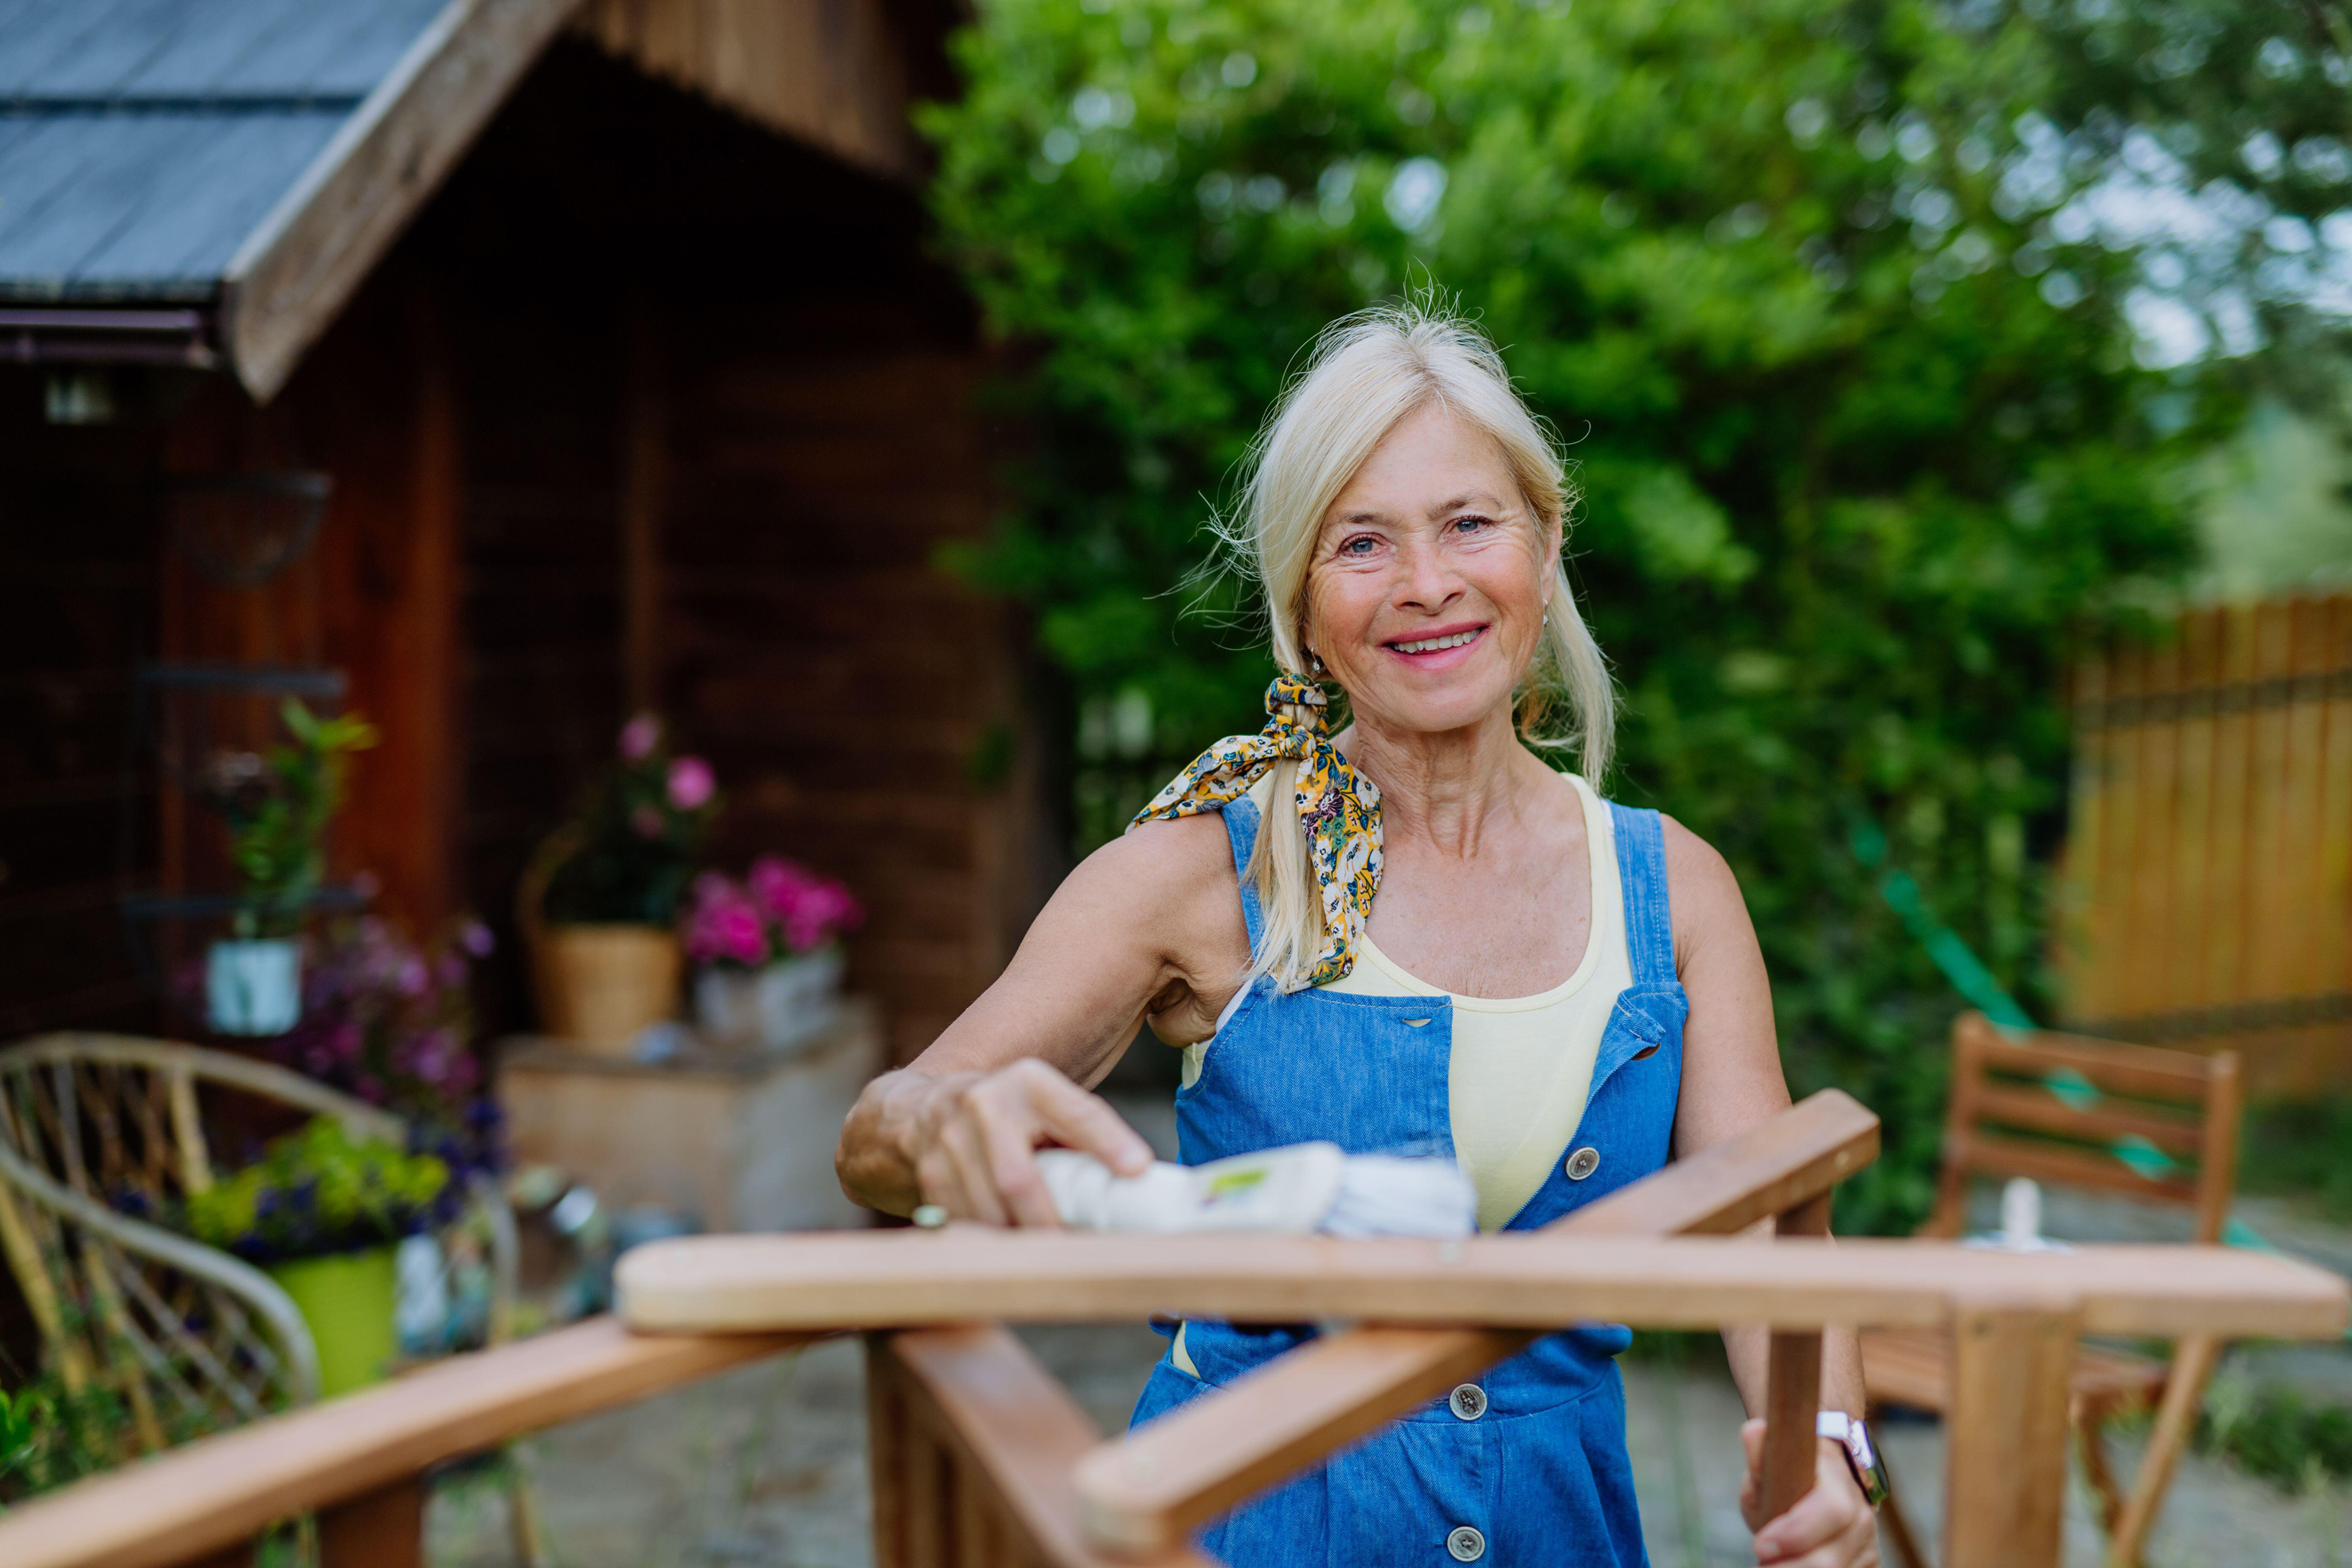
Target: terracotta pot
[(599, 985)]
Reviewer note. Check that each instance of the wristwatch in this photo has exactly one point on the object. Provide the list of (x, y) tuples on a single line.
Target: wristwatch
[(1860, 1456)]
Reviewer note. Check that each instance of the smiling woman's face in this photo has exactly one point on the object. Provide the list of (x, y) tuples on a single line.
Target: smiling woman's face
[(1427, 593)]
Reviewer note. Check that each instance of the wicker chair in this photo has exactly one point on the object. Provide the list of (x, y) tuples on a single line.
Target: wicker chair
[(188, 1338)]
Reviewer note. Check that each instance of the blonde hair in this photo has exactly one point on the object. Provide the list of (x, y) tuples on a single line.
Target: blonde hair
[(1368, 371)]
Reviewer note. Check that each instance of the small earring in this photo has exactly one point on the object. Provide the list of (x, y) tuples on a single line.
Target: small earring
[(1317, 669)]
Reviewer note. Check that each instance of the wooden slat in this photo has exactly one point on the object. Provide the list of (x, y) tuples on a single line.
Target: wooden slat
[(2006, 1437), (1010, 1424), (2147, 957), (721, 1284), (2149, 1072), (1986, 1154), (178, 1507), (2232, 887), (2042, 1111)]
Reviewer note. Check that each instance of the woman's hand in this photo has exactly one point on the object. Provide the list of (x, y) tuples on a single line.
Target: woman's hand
[(1828, 1527), (970, 1138)]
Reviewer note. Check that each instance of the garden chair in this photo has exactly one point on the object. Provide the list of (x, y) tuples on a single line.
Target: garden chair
[(2160, 1125), (187, 1339)]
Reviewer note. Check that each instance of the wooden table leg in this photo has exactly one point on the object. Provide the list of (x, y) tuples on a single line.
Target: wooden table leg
[(1792, 1396), (887, 1451), (382, 1529), (2005, 1434)]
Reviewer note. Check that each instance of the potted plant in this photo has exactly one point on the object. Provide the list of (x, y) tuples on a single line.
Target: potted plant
[(769, 953), (321, 1214), (598, 905), (277, 806)]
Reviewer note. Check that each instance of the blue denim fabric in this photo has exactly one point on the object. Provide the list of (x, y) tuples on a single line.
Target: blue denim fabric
[(1543, 1474)]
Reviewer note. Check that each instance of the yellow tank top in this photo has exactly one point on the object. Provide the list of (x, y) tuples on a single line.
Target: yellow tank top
[(1521, 1066)]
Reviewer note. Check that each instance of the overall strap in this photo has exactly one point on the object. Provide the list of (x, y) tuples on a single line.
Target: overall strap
[(1642, 873), (1240, 829)]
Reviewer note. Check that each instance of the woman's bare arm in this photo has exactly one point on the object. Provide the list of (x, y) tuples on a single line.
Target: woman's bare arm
[(1732, 1082), (1147, 926)]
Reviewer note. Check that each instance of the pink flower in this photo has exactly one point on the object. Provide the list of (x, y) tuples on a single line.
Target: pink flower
[(691, 784), (724, 926), (475, 938), (639, 736)]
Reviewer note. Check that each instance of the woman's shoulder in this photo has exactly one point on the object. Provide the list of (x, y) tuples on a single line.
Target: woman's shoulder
[(1173, 857), (1701, 889)]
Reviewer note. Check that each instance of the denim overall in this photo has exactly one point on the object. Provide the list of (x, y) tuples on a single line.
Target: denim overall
[(1535, 1469)]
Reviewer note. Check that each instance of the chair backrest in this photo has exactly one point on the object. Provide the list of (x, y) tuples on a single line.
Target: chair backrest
[(117, 1118), (99, 1135), (2075, 1111)]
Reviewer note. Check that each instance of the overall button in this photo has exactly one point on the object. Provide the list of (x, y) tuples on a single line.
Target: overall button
[(1465, 1544), (1583, 1162), (1469, 1401)]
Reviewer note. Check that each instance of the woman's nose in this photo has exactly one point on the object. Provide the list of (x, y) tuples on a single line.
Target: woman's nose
[(1426, 579)]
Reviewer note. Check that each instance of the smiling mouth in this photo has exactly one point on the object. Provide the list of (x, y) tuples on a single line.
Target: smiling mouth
[(1438, 645)]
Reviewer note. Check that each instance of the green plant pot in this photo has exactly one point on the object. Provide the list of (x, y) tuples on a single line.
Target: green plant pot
[(347, 1300)]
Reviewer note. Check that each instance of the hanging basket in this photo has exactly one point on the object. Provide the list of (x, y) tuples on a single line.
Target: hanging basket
[(597, 986)]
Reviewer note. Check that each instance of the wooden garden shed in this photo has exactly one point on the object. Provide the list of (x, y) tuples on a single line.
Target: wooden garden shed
[(591, 358)]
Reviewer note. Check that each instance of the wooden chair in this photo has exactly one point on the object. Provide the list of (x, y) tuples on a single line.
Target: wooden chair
[(97, 1129), (2158, 1125)]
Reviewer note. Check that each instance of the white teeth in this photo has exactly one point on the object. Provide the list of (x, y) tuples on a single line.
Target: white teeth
[(1431, 644)]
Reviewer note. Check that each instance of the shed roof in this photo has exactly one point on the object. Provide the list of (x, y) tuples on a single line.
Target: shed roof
[(141, 141), (253, 159)]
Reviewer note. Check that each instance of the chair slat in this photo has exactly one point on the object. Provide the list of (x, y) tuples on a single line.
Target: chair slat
[(2042, 1111), (2138, 1069), (1987, 1154)]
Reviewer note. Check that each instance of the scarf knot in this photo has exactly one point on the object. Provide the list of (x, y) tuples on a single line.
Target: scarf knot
[(1338, 809)]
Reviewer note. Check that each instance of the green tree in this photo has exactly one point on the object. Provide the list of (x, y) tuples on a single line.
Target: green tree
[(1864, 442)]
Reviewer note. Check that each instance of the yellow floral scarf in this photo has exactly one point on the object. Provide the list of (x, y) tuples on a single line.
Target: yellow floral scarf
[(1338, 808)]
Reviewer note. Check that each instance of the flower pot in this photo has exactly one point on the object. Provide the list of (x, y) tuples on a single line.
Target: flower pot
[(254, 985), (599, 985), (777, 1008), (347, 1300)]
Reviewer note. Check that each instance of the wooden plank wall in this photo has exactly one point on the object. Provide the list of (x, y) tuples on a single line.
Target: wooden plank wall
[(78, 612), (822, 450), (2206, 892), (827, 71)]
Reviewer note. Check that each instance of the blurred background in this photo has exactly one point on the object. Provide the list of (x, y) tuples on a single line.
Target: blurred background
[(563, 558)]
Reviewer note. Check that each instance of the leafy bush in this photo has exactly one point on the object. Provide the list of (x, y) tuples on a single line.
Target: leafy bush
[(1865, 451), (51, 1434), (2298, 1147), (2271, 1432), (318, 1191)]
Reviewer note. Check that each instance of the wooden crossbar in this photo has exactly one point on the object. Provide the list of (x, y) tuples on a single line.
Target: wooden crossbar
[(722, 1284)]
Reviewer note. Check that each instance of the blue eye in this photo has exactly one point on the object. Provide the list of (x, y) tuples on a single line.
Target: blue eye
[(1470, 522)]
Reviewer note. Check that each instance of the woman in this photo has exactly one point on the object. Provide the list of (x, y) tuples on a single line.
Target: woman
[(1550, 988)]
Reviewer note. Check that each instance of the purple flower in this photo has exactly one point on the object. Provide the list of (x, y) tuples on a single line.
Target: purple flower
[(691, 783), (475, 939), (639, 736)]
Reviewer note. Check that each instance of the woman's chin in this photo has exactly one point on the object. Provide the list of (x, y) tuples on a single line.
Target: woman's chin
[(1438, 709)]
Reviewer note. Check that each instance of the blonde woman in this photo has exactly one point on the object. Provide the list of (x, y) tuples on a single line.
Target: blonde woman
[(1561, 992)]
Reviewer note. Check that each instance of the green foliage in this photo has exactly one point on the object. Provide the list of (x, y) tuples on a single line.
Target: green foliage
[(317, 1191), (51, 1434), (1865, 449), (2271, 1432), (2297, 1147), (278, 806)]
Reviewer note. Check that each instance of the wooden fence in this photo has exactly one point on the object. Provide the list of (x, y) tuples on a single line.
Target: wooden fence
[(2205, 899)]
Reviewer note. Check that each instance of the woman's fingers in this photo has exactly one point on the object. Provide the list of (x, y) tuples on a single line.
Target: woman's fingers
[(973, 1189), (1082, 1120), (1828, 1527)]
